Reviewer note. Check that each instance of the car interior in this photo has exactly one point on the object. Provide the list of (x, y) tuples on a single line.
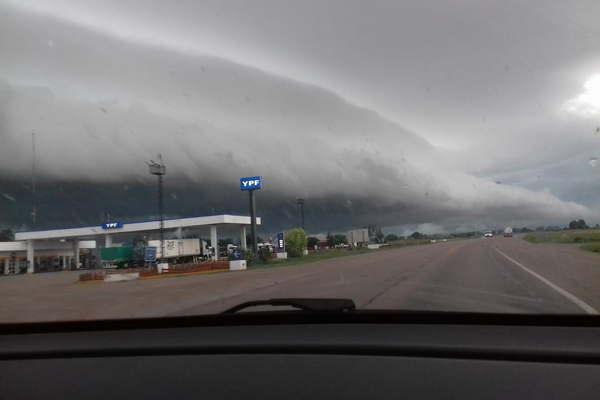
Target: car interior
[(315, 349)]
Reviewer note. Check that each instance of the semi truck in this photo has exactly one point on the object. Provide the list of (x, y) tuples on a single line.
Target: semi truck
[(176, 251)]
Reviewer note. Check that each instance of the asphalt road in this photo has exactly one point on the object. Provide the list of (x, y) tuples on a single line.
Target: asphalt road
[(487, 275)]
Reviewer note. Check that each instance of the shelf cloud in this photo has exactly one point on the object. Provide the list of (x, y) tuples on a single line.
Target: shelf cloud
[(103, 97)]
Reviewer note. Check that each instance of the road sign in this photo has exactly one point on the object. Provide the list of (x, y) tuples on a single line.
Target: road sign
[(112, 225), (251, 183), (236, 254), (280, 241), (150, 254)]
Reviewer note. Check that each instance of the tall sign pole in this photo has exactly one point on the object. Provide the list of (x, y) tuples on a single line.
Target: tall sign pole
[(253, 221), (250, 184)]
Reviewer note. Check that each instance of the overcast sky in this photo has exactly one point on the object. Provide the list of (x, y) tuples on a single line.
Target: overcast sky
[(424, 102)]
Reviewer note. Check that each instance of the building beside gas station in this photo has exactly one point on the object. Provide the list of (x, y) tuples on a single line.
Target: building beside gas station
[(65, 247)]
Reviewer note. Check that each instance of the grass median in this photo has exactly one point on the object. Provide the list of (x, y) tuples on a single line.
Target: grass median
[(322, 255), (312, 257)]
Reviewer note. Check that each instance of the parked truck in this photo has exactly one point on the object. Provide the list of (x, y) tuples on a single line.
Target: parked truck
[(508, 232)]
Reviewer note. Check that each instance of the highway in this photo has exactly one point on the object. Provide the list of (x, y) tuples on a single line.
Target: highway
[(486, 275)]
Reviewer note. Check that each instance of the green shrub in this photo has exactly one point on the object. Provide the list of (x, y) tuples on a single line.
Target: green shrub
[(250, 258), (295, 242)]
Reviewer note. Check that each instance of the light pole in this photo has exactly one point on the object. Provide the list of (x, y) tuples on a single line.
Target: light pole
[(300, 203), (33, 194), (159, 169)]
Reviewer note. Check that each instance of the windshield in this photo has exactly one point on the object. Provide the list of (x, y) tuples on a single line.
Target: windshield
[(180, 158)]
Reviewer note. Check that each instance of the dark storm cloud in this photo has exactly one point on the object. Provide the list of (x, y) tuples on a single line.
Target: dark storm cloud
[(224, 89)]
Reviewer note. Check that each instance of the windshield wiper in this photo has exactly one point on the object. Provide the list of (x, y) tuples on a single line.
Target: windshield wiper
[(311, 305)]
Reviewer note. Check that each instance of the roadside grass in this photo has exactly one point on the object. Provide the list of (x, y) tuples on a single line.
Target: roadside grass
[(407, 242), (575, 236), (593, 247), (588, 238)]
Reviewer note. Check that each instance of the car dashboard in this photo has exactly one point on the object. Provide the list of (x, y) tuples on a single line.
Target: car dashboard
[(304, 356)]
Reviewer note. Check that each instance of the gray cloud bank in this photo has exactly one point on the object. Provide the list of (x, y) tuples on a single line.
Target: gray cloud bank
[(101, 106)]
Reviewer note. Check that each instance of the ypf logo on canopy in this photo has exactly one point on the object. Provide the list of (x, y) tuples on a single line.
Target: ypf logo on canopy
[(251, 183), (112, 225)]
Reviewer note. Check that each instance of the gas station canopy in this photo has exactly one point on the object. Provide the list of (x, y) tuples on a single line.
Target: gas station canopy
[(117, 227)]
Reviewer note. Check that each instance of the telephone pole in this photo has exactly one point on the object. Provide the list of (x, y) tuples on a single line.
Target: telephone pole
[(300, 203)]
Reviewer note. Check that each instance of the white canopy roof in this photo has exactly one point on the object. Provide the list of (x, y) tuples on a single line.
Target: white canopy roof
[(136, 227)]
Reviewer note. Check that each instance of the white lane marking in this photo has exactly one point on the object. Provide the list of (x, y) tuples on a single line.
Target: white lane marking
[(578, 302)]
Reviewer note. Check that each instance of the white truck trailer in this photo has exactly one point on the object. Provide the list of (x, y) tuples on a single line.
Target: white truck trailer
[(358, 237), (176, 248)]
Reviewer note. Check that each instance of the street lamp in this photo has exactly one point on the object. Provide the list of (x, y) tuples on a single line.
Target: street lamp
[(159, 169)]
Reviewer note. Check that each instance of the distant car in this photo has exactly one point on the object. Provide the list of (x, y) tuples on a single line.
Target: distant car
[(508, 232), (488, 235)]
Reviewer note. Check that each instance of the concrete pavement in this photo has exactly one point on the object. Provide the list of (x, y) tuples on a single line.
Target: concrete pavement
[(488, 275)]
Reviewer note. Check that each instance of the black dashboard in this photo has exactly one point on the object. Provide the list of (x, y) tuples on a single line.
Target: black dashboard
[(305, 356)]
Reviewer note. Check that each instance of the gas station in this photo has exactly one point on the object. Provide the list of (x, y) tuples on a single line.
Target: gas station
[(76, 248), (66, 247)]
